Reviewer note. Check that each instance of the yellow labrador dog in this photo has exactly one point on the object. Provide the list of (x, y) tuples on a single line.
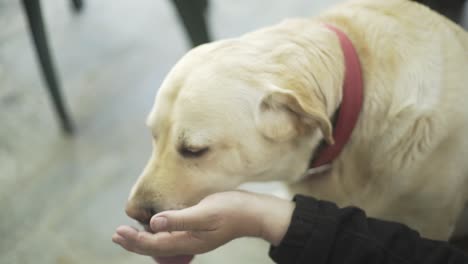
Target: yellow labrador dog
[(257, 108)]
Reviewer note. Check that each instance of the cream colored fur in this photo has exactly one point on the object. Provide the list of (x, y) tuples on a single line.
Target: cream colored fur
[(261, 103)]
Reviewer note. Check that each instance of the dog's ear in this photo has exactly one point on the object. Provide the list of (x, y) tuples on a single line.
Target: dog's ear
[(283, 115)]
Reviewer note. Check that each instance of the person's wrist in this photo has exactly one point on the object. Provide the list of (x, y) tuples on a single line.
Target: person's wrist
[(252, 214), (274, 217)]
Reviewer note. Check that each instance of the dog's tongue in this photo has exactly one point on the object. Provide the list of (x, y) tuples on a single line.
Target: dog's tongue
[(185, 259)]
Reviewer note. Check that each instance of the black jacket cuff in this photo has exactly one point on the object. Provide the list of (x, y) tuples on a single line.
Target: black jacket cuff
[(312, 227)]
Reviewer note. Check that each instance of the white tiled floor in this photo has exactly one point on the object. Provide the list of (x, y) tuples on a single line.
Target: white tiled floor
[(61, 198)]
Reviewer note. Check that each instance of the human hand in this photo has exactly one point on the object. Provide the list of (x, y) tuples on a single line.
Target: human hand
[(216, 220)]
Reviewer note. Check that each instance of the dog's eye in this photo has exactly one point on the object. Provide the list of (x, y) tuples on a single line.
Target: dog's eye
[(188, 152)]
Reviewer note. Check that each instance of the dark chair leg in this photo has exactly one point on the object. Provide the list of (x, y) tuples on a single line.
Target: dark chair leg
[(77, 5), (192, 14), (33, 11), (461, 243), (450, 8)]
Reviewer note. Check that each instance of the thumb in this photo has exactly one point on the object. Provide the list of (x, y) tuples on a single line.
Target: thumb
[(189, 219)]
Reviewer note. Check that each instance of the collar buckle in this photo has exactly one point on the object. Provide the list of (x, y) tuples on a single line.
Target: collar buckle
[(318, 170)]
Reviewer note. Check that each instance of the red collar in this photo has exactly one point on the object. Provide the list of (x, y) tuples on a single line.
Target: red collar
[(349, 109)]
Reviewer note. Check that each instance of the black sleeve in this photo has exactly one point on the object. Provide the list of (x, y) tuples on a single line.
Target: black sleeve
[(320, 233)]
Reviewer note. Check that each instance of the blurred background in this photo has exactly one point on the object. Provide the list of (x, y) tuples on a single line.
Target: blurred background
[(64, 182)]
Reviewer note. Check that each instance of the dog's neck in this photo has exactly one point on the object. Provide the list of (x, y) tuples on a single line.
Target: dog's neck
[(314, 65), (310, 63), (322, 70), (350, 108)]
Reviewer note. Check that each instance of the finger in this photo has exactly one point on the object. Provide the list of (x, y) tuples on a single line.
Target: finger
[(118, 239), (127, 231), (121, 241), (160, 244), (177, 243), (194, 218), (126, 236)]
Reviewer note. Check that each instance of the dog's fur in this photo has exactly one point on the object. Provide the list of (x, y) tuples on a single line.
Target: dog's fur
[(262, 103)]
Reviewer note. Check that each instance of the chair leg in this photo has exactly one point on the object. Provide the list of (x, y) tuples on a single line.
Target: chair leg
[(192, 14), (33, 12), (450, 8), (77, 5)]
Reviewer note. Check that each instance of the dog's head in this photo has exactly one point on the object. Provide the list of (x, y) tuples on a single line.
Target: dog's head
[(223, 116)]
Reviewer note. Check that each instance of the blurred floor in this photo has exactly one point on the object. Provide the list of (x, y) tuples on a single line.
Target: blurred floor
[(61, 198)]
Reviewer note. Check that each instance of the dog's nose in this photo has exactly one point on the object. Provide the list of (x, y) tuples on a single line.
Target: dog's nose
[(140, 213)]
